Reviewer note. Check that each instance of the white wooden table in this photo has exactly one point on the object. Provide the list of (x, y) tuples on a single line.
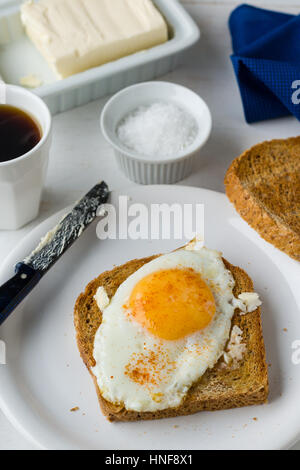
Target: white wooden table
[(80, 156)]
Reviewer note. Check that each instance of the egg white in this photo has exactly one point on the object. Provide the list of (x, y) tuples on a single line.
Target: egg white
[(120, 337)]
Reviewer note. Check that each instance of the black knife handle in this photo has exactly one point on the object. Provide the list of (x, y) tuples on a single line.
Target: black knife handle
[(16, 289)]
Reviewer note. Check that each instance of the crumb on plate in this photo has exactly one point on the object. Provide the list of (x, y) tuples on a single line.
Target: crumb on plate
[(76, 408)]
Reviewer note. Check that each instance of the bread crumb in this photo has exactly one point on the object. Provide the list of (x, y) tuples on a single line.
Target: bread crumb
[(222, 365), (76, 408)]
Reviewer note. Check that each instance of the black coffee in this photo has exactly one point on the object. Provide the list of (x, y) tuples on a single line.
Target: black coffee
[(19, 133)]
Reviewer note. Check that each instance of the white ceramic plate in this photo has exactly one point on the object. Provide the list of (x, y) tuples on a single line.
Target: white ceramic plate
[(44, 377)]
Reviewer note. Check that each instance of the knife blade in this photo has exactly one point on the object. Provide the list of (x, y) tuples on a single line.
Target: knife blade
[(52, 247)]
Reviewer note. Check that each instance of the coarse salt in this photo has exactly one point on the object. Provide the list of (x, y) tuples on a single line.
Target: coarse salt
[(158, 131)]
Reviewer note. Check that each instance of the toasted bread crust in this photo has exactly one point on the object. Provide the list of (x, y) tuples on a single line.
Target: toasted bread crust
[(219, 388), (264, 186)]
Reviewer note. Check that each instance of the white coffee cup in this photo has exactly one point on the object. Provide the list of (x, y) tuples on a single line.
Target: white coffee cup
[(22, 179)]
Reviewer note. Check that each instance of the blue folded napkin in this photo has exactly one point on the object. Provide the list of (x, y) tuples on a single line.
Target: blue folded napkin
[(266, 60)]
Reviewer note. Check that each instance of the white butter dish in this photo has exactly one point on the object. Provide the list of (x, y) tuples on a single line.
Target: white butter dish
[(19, 59)]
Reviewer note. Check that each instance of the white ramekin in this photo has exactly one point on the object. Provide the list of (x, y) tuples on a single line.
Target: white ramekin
[(162, 171), (22, 179)]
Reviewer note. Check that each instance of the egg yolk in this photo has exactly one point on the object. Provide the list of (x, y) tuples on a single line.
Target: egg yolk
[(172, 304)]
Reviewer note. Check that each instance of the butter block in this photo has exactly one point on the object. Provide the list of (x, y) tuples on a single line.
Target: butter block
[(75, 35)]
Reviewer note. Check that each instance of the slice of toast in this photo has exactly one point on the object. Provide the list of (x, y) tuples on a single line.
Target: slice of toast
[(220, 388), (264, 186)]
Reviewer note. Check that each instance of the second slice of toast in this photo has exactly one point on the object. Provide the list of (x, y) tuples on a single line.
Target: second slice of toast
[(264, 186)]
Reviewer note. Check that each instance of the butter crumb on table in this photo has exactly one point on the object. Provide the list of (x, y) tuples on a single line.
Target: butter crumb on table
[(31, 81)]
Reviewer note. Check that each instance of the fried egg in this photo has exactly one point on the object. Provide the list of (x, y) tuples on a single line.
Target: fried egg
[(165, 326)]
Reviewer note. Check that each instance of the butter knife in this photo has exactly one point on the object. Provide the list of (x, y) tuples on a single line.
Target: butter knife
[(51, 248)]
